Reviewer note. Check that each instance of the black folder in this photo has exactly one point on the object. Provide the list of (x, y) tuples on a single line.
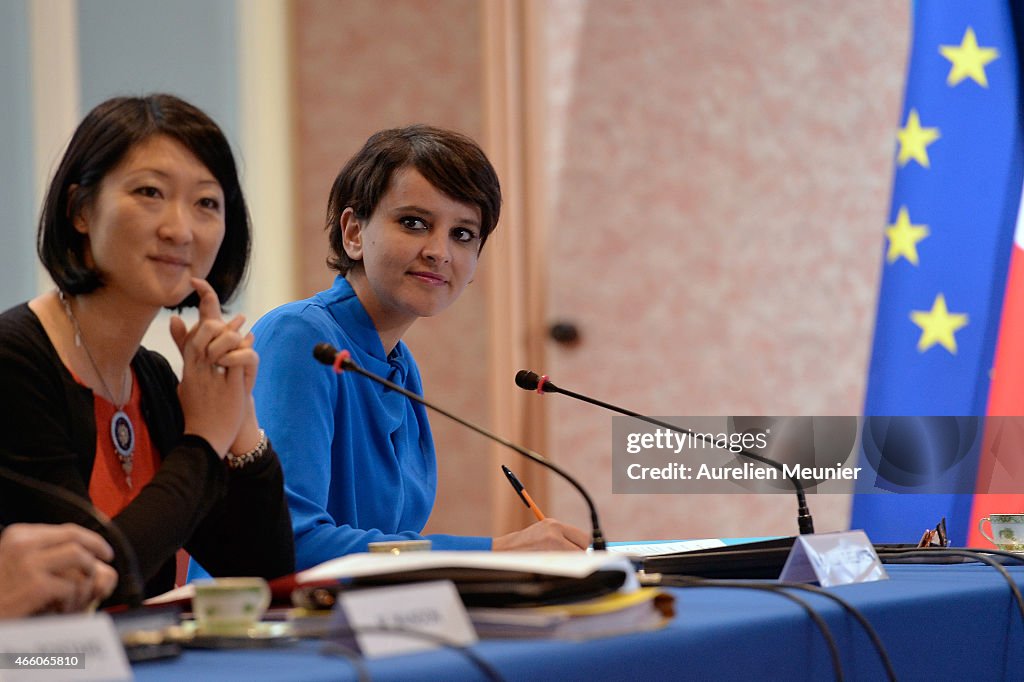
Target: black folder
[(751, 560), (490, 587), (765, 560)]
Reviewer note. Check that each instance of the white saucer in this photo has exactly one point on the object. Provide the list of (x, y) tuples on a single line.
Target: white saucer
[(259, 635)]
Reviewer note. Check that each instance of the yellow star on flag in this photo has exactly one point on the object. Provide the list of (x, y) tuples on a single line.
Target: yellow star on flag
[(903, 237), (914, 140), (938, 325), (968, 60)]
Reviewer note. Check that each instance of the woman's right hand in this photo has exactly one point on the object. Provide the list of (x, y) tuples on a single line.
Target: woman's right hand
[(215, 396), (52, 568), (546, 535)]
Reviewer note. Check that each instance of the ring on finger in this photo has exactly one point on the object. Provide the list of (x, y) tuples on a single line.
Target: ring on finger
[(219, 369)]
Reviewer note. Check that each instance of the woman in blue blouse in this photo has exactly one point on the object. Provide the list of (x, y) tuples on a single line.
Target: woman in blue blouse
[(407, 218)]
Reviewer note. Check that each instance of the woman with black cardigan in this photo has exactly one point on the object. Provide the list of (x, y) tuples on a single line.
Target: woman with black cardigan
[(144, 212)]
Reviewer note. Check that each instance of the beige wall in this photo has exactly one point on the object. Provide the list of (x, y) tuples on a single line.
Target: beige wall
[(722, 183), (717, 179)]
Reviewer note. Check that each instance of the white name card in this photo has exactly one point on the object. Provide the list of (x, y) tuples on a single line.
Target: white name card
[(833, 559), (74, 647), (379, 615)]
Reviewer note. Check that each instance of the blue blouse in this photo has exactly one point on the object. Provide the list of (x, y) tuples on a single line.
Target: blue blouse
[(358, 459)]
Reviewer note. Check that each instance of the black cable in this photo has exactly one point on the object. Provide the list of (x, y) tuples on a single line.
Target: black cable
[(531, 381), (1018, 559), (886, 555), (129, 576), (486, 668), (826, 633), (869, 630)]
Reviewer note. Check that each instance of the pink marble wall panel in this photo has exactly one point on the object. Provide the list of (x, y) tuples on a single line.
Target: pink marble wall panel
[(363, 65), (722, 173)]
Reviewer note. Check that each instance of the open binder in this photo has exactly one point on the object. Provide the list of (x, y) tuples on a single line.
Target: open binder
[(484, 578)]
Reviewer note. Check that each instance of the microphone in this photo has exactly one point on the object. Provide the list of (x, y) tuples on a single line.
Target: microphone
[(531, 381), (341, 361), (128, 565)]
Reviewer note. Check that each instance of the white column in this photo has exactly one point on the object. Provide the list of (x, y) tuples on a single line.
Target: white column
[(56, 93), (264, 67)]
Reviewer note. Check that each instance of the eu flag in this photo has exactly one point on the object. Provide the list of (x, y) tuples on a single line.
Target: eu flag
[(947, 246)]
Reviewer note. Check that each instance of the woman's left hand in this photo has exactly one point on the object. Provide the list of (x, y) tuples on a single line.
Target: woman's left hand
[(220, 343), (210, 347)]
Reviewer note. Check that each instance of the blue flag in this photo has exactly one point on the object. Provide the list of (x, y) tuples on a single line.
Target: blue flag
[(948, 241)]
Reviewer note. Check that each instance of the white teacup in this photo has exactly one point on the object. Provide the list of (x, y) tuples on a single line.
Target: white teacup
[(1007, 531), (229, 606)]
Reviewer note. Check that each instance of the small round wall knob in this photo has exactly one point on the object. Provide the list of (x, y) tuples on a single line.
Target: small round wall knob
[(565, 333)]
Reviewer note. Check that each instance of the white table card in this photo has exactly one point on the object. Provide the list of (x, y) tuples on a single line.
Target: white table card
[(379, 614), (75, 647), (833, 559)]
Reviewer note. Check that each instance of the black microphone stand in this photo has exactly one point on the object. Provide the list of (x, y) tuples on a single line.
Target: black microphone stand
[(340, 360), (531, 381), (129, 574)]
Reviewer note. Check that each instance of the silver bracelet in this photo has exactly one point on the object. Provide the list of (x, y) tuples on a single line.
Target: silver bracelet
[(239, 461)]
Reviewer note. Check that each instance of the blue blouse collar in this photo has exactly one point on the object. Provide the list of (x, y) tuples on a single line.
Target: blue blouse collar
[(348, 311)]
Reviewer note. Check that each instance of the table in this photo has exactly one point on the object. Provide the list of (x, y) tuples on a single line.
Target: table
[(937, 622)]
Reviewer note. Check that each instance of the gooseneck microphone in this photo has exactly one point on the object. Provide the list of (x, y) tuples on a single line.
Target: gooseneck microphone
[(531, 381), (128, 572), (340, 360)]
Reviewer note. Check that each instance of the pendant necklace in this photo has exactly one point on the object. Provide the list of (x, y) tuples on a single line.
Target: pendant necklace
[(122, 432)]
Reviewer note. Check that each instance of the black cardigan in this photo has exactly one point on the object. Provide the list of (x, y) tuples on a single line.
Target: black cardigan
[(234, 522)]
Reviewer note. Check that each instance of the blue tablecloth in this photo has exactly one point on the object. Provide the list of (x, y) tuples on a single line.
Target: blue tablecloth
[(937, 622)]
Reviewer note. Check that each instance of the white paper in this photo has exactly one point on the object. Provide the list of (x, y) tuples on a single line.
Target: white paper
[(568, 564), (649, 549)]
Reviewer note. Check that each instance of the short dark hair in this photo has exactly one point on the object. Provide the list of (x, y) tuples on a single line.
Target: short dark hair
[(452, 162), (100, 143)]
